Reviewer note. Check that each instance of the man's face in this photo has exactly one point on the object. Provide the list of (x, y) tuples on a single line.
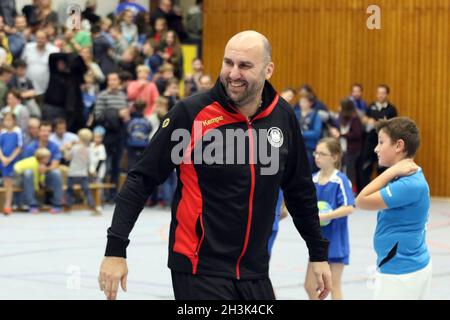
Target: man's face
[(205, 83), (113, 81), (44, 132), (33, 129), (288, 95), (20, 23), (244, 71), (356, 92), (166, 5), (60, 129), (41, 39), (382, 94), (197, 65)]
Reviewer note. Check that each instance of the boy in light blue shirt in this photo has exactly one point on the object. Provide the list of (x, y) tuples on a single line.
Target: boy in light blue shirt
[(402, 196)]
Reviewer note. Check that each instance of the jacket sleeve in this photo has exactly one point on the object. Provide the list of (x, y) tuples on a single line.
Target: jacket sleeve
[(300, 195), (151, 170)]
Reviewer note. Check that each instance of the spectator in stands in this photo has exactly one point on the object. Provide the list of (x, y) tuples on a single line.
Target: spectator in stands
[(161, 109), (36, 55), (10, 147), (97, 156), (357, 98), (172, 16), (75, 40), (111, 111), (164, 75), (288, 94), (14, 105), (142, 20), (25, 86), (129, 28), (102, 50), (159, 31), (311, 127), (64, 139), (205, 83), (138, 132), (89, 92), (171, 52), (142, 89), (5, 52), (6, 73), (120, 44), (8, 11), (151, 58), (32, 134), (92, 66), (89, 12), (35, 164), (128, 61), (172, 92), (131, 5), (191, 81), (194, 25), (380, 109), (17, 36), (53, 180), (350, 135), (45, 12), (78, 169), (105, 28)]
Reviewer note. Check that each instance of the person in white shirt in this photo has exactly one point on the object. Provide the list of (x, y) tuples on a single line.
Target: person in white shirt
[(36, 55)]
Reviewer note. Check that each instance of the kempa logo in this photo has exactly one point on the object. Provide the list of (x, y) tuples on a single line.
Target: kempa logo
[(275, 137), (211, 121)]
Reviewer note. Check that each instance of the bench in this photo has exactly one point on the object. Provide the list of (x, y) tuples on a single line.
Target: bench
[(96, 189)]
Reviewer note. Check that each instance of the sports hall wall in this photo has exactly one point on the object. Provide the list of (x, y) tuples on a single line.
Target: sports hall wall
[(327, 44)]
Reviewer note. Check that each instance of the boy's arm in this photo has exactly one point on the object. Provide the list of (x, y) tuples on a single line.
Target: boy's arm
[(370, 197), (16, 152), (338, 213)]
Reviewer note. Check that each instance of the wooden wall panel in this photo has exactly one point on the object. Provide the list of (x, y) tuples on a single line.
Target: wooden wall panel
[(326, 43)]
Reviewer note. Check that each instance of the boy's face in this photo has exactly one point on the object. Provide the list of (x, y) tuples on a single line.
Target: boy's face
[(386, 150), (98, 138), (8, 122), (44, 160), (21, 71)]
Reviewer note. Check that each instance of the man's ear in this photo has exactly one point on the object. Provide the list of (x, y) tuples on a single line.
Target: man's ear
[(269, 70)]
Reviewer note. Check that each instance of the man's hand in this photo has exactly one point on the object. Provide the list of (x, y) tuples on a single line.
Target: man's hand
[(112, 271), (322, 274)]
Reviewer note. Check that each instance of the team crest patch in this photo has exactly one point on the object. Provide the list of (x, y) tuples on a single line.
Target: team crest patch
[(166, 123), (275, 137)]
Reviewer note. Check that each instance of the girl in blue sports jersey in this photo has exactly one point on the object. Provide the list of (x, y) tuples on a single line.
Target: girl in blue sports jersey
[(335, 202), (10, 147)]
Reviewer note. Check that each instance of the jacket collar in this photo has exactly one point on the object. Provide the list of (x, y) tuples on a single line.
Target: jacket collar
[(219, 94)]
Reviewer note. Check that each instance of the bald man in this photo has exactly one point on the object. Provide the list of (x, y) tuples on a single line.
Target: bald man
[(241, 144)]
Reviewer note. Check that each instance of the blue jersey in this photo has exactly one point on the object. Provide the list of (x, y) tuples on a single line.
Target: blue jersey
[(399, 239), (55, 153), (10, 141), (337, 192)]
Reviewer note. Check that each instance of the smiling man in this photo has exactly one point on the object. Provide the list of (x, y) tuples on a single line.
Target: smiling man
[(223, 213)]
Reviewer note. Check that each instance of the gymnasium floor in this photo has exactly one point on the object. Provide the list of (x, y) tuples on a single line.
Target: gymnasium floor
[(57, 257)]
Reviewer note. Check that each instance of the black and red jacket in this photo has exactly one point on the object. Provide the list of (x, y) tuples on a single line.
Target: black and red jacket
[(222, 214)]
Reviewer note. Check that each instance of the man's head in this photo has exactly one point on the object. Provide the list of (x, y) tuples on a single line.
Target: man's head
[(33, 127), (60, 126), (247, 64), (113, 81), (357, 91), (205, 83), (165, 5), (142, 71), (382, 93), (161, 106), (41, 39), (398, 138), (44, 131), (20, 22)]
